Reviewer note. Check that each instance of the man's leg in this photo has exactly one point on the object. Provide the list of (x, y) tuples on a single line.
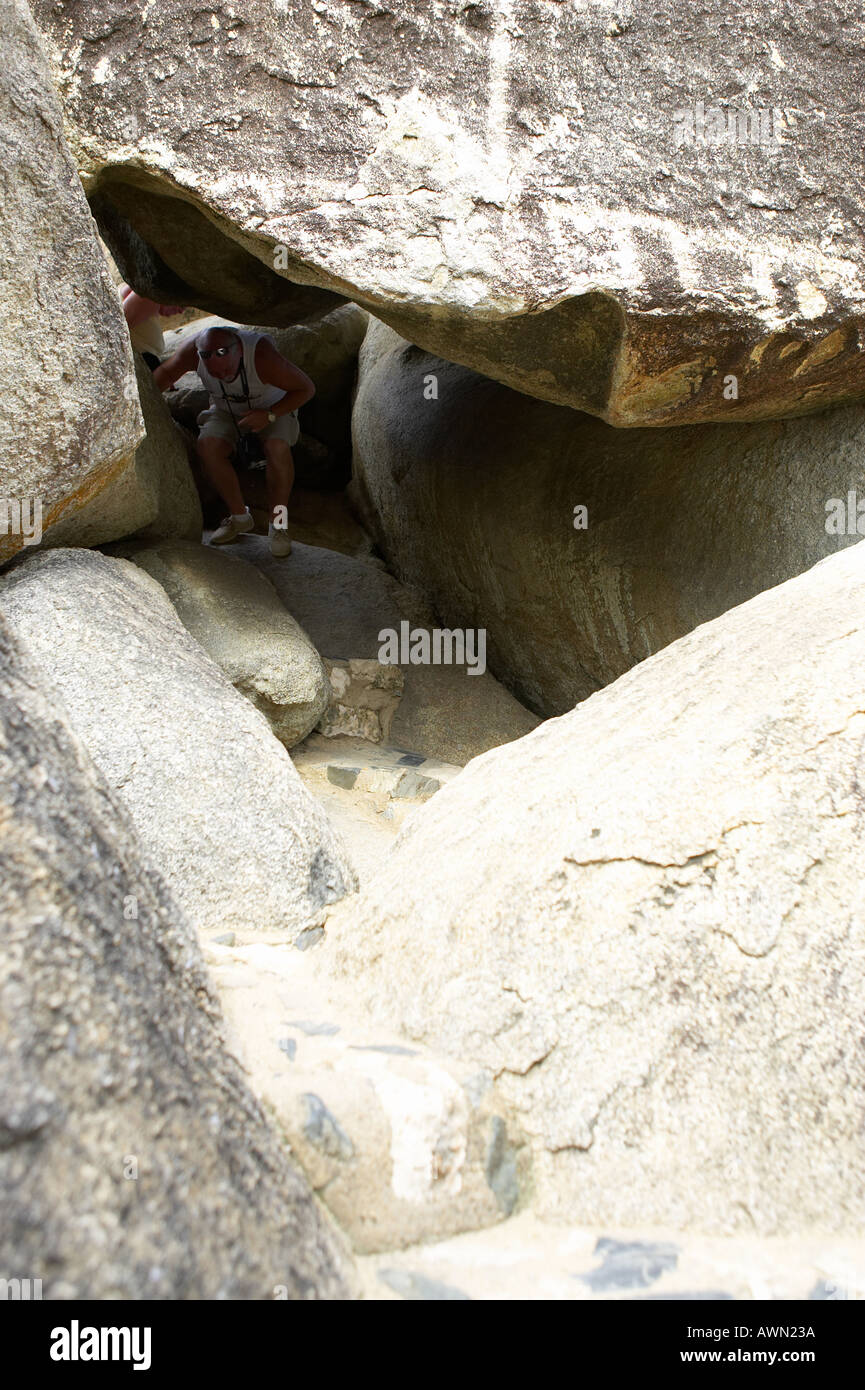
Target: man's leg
[(280, 473), (214, 451), (215, 455), (280, 479)]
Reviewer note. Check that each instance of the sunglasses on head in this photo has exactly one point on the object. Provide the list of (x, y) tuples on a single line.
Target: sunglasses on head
[(204, 353)]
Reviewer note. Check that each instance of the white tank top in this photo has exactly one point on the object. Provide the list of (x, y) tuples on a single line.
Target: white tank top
[(261, 396)]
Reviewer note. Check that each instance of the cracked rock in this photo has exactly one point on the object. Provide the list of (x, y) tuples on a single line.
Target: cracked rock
[(671, 1009)]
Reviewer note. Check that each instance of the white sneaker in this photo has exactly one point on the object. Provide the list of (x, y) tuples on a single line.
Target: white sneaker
[(231, 528), (280, 541)]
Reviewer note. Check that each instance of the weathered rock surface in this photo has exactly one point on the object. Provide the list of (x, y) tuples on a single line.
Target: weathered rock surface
[(213, 795), (154, 496), (645, 921), (472, 497), (236, 615), (343, 602), (134, 1161), (69, 416), (613, 210)]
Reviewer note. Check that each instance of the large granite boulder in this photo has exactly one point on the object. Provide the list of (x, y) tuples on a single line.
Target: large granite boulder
[(153, 497), (236, 615), (474, 496), (213, 795), (646, 922), (69, 415), (611, 207), (134, 1161)]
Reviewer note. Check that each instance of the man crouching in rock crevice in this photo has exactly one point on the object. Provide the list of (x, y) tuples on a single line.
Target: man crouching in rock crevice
[(253, 390)]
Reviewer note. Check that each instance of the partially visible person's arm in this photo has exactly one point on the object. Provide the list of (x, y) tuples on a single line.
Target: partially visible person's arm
[(137, 309), (276, 370), (184, 360)]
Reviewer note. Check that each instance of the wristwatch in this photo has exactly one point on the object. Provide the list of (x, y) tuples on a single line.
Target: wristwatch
[(271, 418)]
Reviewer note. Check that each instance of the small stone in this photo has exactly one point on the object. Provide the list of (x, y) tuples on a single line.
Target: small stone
[(500, 1167), (226, 938), (629, 1265), (314, 1030), (308, 938), (412, 787), (342, 776), (289, 1047), (324, 1131)]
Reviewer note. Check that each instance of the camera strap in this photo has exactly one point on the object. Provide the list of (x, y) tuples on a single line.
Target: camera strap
[(228, 399)]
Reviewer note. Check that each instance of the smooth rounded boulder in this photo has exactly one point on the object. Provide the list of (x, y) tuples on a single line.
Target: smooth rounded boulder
[(236, 615), (583, 549), (214, 796)]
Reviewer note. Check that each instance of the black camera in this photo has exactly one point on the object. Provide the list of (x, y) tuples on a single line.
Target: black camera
[(248, 450)]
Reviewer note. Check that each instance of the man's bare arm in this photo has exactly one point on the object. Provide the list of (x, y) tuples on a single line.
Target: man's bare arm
[(276, 370), (177, 365)]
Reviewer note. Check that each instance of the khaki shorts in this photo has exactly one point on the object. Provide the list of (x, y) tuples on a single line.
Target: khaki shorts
[(216, 423)]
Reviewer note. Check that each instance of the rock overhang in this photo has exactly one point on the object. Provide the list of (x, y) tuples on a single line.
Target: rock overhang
[(651, 217)]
